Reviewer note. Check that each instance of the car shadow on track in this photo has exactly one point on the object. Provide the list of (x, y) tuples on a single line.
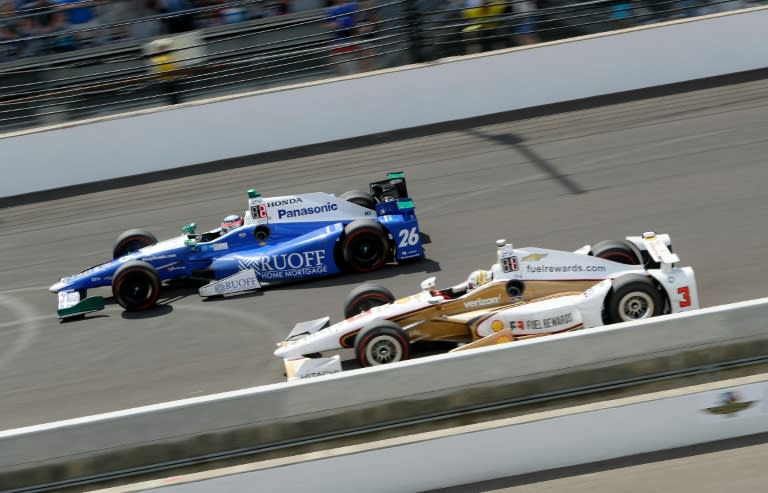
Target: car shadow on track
[(156, 311), (180, 289), (387, 272)]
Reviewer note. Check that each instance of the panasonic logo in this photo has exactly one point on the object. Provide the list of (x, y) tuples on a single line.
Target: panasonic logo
[(277, 203), (482, 302), (306, 211)]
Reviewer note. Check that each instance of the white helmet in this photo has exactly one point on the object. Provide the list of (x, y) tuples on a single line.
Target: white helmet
[(478, 278)]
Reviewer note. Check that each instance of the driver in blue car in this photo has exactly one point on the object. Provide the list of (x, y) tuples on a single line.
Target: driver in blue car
[(233, 221)]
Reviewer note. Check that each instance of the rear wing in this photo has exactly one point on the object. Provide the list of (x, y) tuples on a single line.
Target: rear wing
[(659, 251), (392, 188), (657, 248)]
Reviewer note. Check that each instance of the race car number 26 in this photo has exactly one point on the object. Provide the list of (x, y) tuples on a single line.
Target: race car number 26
[(407, 237)]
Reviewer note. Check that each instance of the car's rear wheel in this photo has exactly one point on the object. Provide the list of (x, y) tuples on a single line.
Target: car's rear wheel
[(633, 297), (136, 286), (620, 251), (363, 199), (381, 342), (365, 245), (132, 240), (365, 297)]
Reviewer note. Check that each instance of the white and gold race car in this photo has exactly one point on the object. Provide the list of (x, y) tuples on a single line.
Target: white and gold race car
[(528, 292)]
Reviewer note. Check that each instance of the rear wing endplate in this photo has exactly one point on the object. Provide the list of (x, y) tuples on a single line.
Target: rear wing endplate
[(659, 251)]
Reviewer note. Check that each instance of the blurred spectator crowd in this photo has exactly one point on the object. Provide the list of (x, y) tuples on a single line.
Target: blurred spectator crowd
[(40, 27), (495, 24)]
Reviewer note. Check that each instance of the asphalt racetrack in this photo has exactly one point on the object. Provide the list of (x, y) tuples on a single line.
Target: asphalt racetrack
[(692, 165)]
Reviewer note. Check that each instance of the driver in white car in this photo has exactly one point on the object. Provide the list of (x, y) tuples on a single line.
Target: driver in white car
[(475, 279)]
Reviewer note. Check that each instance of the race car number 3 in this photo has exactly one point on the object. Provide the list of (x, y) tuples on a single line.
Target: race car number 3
[(685, 292)]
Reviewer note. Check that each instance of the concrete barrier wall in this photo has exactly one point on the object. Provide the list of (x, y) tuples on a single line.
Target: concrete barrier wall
[(274, 413), (411, 96), (505, 448)]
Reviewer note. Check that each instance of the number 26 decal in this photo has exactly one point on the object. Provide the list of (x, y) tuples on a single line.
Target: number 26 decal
[(685, 292), (408, 237)]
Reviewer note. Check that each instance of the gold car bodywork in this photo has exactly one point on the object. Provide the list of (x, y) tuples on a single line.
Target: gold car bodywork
[(456, 320)]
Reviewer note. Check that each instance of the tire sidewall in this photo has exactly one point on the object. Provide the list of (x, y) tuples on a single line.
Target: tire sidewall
[(626, 286), (621, 248), (132, 235), (375, 234), (378, 332), (352, 307), (151, 279), (358, 197)]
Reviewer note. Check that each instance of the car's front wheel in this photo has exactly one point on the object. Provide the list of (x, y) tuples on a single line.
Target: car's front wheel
[(136, 286), (365, 297), (633, 297), (381, 342)]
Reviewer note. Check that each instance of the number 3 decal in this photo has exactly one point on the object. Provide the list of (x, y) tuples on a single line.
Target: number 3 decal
[(686, 294), (408, 237)]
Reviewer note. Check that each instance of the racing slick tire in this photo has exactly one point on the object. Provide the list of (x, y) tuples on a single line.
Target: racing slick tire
[(363, 199), (365, 297), (136, 286), (381, 342), (633, 297), (132, 240), (365, 246), (515, 289), (621, 251)]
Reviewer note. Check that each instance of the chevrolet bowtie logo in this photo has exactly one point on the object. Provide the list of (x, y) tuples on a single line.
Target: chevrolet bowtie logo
[(534, 257)]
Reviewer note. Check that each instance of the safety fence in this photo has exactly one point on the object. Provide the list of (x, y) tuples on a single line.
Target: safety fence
[(277, 415), (505, 448), (269, 52)]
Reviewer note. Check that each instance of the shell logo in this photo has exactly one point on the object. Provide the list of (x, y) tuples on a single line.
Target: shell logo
[(402, 301), (497, 325), (503, 339)]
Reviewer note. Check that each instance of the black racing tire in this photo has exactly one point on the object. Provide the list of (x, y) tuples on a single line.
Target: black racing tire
[(633, 297), (132, 240), (381, 342), (515, 289), (365, 245), (620, 251), (365, 297), (136, 286), (358, 197), (261, 233)]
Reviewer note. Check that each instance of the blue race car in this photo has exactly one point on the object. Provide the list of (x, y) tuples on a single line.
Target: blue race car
[(277, 240)]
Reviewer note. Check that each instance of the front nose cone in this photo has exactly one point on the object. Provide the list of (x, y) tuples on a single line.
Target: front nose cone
[(55, 288), (279, 352)]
